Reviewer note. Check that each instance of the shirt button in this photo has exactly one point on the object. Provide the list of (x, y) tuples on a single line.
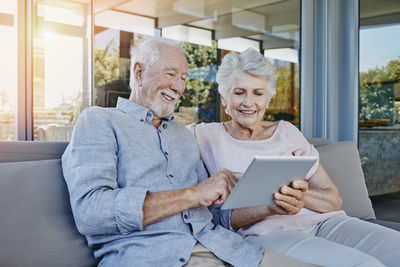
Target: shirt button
[(185, 216), (171, 175), (182, 260), (164, 126), (142, 120)]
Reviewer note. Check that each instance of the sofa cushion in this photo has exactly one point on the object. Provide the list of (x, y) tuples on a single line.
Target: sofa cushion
[(37, 226), (342, 162), (317, 142), (11, 151)]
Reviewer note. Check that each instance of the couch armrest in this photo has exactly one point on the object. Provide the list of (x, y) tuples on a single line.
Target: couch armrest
[(389, 224)]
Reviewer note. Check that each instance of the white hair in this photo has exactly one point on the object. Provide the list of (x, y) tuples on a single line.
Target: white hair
[(147, 53), (249, 61)]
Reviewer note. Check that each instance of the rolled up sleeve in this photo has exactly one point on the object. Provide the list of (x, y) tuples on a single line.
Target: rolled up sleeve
[(221, 217), (128, 210)]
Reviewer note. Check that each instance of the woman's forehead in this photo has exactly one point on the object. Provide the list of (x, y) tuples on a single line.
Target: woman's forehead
[(247, 81)]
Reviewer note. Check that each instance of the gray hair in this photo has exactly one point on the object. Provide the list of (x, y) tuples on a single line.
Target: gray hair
[(147, 53), (249, 61)]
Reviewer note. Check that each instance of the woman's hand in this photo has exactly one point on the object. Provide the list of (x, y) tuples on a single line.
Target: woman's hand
[(291, 198)]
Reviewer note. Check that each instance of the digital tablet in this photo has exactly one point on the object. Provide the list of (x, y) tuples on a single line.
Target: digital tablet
[(264, 176)]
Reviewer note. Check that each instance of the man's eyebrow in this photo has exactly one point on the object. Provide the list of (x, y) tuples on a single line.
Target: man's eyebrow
[(176, 70)]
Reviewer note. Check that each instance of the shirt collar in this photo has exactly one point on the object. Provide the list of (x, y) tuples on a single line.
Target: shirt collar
[(137, 111)]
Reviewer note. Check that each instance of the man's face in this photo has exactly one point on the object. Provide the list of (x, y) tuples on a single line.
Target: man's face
[(164, 82)]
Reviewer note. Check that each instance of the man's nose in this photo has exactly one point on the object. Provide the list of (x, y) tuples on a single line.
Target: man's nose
[(178, 84)]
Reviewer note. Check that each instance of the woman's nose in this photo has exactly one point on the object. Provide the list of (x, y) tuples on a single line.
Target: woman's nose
[(247, 101)]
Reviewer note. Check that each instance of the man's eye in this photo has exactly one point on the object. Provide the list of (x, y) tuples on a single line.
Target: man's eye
[(170, 75), (184, 78)]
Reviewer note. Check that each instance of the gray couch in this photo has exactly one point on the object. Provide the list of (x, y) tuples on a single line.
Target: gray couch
[(37, 226)]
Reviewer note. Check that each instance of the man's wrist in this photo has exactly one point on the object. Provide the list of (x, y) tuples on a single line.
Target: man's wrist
[(193, 196)]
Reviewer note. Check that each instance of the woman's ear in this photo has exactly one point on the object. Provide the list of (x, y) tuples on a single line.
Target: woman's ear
[(138, 71), (223, 100)]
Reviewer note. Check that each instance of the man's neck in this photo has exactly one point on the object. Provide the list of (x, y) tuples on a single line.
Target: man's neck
[(156, 121)]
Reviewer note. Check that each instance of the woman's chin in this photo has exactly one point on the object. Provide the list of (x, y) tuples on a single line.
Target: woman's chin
[(246, 121)]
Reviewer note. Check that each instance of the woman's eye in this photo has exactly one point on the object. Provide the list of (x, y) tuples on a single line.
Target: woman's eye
[(238, 93)]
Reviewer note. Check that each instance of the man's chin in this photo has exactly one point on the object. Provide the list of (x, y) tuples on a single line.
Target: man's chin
[(164, 112)]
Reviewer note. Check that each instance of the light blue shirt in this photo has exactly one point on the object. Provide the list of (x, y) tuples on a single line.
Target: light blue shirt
[(114, 158)]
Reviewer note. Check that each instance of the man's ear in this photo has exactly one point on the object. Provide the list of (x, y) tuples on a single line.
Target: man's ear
[(138, 69)]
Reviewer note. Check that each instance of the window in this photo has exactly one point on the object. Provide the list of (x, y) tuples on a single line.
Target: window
[(208, 30), (61, 67), (8, 69), (63, 75), (379, 110)]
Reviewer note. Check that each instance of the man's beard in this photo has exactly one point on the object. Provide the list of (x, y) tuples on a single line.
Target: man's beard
[(160, 109)]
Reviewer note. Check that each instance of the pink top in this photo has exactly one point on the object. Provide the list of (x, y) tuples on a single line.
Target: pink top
[(220, 150)]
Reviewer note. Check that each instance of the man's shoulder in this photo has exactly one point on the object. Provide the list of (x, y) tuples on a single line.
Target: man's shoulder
[(99, 113), (181, 129)]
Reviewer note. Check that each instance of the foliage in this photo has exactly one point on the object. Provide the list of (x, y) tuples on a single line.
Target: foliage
[(106, 65), (376, 91), (3, 99), (202, 61), (283, 104)]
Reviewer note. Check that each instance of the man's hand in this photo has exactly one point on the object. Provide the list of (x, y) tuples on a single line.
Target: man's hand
[(216, 189), (291, 198)]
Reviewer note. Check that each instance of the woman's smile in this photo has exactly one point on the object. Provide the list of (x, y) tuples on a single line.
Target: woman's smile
[(247, 113)]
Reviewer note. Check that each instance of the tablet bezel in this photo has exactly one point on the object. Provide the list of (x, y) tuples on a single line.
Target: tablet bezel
[(254, 190)]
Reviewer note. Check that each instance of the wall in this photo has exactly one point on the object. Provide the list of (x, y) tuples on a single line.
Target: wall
[(380, 157)]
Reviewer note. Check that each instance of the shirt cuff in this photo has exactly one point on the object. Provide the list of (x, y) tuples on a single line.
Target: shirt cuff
[(128, 209), (226, 219)]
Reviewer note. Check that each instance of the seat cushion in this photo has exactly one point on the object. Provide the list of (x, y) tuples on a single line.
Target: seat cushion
[(342, 162), (37, 226)]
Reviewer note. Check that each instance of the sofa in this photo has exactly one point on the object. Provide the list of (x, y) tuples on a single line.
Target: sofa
[(37, 227)]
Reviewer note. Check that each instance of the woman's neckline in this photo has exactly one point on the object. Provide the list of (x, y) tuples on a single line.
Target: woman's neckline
[(250, 140)]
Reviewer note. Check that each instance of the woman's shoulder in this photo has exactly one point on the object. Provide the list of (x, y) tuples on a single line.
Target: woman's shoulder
[(287, 126), (205, 126), (292, 133), (202, 130)]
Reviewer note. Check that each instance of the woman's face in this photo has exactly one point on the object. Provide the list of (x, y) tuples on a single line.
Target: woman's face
[(248, 100)]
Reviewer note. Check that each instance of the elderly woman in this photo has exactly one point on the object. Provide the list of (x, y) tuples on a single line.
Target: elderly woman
[(306, 222)]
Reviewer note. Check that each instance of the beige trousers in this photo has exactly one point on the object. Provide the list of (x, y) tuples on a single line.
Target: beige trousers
[(202, 257)]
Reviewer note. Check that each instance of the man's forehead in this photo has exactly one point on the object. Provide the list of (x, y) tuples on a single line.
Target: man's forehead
[(173, 58)]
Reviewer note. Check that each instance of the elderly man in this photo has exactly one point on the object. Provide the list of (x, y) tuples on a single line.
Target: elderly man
[(138, 189)]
